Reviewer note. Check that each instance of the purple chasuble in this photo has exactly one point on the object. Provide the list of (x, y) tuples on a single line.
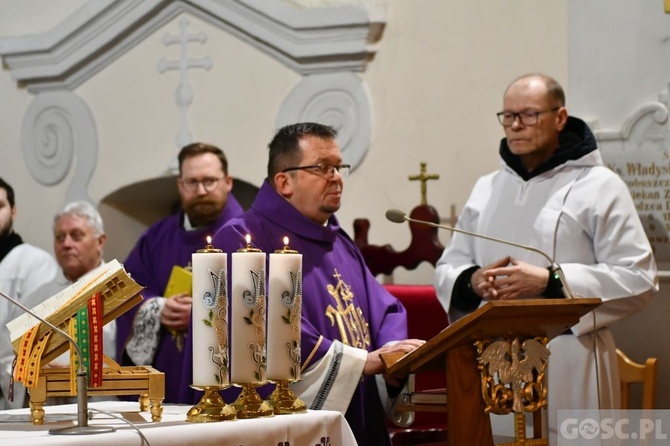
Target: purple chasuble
[(335, 281), (164, 245)]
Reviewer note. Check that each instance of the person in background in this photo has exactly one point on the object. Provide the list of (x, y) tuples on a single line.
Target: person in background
[(348, 318), (553, 193), (155, 332), (79, 241), (23, 269)]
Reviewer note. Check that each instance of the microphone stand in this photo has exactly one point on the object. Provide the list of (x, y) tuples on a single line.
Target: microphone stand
[(397, 216), (82, 427)]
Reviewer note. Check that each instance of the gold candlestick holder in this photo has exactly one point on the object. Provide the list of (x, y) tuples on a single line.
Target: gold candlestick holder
[(284, 401), (250, 404), (211, 407)]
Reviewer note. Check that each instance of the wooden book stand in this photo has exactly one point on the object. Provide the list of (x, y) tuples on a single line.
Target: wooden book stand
[(455, 351), (119, 294)]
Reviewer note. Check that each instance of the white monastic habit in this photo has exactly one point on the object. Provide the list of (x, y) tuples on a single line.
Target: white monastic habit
[(24, 269), (581, 214)]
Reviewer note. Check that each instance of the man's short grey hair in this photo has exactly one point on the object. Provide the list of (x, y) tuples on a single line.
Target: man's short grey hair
[(85, 210)]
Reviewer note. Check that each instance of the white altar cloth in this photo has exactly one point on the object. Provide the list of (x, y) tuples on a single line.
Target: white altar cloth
[(314, 428)]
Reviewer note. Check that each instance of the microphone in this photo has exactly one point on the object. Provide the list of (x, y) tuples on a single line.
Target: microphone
[(398, 216), (82, 427)]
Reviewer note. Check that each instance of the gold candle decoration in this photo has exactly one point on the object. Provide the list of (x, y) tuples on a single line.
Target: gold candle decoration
[(210, 317), (248, 315), (210, 334), (248, 337), (284, 313)]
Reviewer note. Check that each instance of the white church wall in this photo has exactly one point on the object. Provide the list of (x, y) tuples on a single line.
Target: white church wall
[(437, 82), (620, 68), (234, 106)]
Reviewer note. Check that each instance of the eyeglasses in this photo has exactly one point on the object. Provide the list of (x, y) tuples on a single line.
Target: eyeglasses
[(191, 184), (526, 117), (324, 170)]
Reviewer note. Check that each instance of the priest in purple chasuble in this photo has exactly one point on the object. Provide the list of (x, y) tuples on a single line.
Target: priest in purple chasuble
[(155, 332), (348, 318)]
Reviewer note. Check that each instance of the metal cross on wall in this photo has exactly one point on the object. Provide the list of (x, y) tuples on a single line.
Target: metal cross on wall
[(423, 177), (184, 92)]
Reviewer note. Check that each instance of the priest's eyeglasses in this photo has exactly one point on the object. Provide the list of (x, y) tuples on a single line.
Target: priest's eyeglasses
[(209, 183), (324, 170), (526, 117)]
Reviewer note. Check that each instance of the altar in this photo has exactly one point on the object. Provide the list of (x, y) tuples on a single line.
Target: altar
[(314, 428)]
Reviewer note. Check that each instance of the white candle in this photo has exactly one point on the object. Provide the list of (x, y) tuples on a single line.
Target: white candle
[(210, 317), (247, 322), (284, 311)]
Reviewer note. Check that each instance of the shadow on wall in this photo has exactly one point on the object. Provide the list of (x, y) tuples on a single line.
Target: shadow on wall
[(130, 210)]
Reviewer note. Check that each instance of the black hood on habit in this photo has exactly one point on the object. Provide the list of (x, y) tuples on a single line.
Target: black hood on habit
[(575, 141)]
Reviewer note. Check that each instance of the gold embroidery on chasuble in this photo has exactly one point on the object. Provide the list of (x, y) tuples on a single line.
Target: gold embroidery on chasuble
[(349, 318)]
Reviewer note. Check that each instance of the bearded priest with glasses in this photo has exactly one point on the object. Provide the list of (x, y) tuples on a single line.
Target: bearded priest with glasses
[(155, 332)]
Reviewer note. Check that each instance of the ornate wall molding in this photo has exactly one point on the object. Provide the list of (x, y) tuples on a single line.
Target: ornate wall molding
[(325, 44), (58, 128), (639, 153), (308, 40), (339, 100), (659, 110)]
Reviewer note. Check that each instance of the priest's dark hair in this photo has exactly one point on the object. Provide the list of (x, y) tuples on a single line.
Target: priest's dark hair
[(199, 148), (285, 149), (9, 190)]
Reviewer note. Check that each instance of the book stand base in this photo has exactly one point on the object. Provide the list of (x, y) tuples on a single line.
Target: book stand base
[(117, 380)]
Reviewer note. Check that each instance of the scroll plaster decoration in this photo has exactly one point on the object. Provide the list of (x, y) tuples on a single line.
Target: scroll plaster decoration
[(339, 100), (657, 110), (57, 128)]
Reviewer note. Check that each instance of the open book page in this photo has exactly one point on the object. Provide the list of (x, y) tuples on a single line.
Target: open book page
[(25, 322)]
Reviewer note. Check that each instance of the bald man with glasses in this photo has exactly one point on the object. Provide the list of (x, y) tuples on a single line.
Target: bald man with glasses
[(155, 332), (554, 193)]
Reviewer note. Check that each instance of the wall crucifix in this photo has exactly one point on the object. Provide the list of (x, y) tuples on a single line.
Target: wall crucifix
[(423, 177), (184, 93)]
